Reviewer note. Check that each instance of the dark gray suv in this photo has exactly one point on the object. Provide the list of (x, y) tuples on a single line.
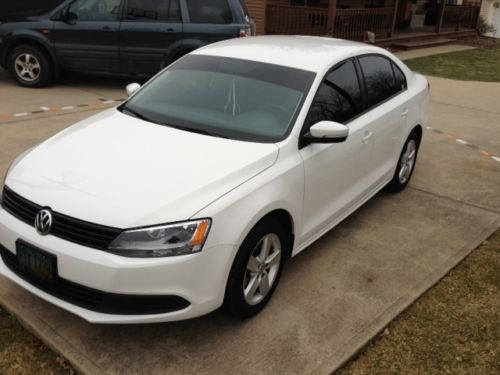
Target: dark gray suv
[(136, 37)]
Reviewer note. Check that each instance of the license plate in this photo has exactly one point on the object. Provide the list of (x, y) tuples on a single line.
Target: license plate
[(36, 262)]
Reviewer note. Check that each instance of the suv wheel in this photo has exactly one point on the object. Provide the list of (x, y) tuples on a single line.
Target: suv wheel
[(256, 269), (30, 66)]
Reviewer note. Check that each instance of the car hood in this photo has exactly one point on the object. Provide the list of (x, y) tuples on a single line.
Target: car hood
[(116, 170)]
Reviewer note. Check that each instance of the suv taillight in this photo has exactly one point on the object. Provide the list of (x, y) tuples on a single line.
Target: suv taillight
[(245, 32)]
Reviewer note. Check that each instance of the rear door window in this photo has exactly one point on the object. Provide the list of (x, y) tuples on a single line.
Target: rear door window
[(154, 10), (379, 77), (209, 11), (95, 10)]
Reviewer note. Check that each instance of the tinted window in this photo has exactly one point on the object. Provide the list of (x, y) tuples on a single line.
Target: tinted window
[(338, 98), (379, 77), (232, 98), (209, 11), (400, 78), (154, 10), (95, 10)]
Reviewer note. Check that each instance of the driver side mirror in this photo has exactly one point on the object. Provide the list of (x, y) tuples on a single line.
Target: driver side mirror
[(327, 132), (132, 88), (67, 16)]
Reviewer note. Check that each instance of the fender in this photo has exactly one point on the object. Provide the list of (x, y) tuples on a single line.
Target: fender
[(26, 37)]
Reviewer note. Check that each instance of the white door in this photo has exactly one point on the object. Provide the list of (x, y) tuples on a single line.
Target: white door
[(388, 109), (334, 173), (496, 22)]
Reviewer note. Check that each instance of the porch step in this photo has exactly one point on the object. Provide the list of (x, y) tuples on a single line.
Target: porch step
[(408, 45)]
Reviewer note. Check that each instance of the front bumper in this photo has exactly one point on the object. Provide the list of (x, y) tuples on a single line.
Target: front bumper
[(199, 279)]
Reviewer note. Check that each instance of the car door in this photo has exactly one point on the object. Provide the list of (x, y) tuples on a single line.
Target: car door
[(88, 38), (386, 115), (210, 21), (150, 31), (335, 173)]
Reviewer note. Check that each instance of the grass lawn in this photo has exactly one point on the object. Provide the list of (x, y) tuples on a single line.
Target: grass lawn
[(480, 64), (454, 328), (22, 353)]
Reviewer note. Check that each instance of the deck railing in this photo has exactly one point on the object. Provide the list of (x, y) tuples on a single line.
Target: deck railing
[(301, 20), (348, 23), (460, 16), (353, 23)]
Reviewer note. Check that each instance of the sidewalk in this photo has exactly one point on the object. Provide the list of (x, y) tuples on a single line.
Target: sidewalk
[(422, 52)]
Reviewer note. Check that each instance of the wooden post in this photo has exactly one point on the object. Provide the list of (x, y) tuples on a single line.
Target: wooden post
[(394, 16), (332, 11), (439, 21)]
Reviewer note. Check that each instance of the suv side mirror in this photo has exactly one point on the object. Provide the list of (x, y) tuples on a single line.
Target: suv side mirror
[(67, 16), (132, 88), (327, 132)]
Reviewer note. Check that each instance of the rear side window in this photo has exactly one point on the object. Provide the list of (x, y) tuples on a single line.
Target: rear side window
[(209, 11), (379, 76), (95, 10), (153, 10), (338, 98), (400, 78)]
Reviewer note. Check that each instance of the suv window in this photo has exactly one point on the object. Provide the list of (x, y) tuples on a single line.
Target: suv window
[(338, 98), (154, 10), (209, 11), (95, 10), (379, 77)]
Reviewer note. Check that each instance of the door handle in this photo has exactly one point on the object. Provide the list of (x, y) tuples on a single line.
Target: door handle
[(107, 28), (366, 138), (170, 31), (405, 112)]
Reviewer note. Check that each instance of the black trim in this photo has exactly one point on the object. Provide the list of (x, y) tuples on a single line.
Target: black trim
[(96, 300), (68, 228)]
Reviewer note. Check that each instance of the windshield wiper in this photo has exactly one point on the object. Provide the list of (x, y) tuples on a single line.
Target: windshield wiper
[(138, 115), (198, 131)]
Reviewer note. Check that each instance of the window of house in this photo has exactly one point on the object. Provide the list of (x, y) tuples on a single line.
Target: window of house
[(379, 77), (95, 10), (209, 11), (154, 10), (338, 98)]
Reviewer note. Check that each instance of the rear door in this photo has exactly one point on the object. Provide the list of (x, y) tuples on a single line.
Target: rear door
[(387, 111), (151, 30), (89, 41), (210, 21)]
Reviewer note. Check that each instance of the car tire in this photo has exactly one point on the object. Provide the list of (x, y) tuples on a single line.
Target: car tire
[(30, 66), (247, 291), (406, 164)]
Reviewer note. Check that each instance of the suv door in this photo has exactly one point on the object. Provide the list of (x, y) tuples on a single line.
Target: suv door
[(88, 39), (387, 110), (150, 31), (211, 21), (335, 173)]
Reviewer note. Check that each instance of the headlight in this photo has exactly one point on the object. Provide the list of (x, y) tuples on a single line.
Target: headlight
[(162, 240)]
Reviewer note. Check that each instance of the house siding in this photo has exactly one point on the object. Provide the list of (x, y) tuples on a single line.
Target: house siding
[(257, 9)]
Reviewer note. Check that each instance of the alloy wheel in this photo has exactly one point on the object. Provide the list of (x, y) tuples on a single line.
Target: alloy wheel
[(262, 269), (27, 67), (407, 161)]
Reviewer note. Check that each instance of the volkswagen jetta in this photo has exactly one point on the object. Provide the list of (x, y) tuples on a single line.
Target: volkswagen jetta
[(193, 193)]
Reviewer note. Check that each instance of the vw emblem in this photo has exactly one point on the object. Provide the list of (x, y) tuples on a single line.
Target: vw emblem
[(43, 221)]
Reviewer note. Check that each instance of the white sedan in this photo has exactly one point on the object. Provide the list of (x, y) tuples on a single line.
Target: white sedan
[(193, 194)]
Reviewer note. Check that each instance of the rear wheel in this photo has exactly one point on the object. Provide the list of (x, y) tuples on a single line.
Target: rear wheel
[(30, 66), (406, 164), (256, 269)]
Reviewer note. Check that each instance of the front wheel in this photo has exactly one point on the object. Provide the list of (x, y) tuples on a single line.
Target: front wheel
[(406, 164), (30, 66), (256, 269)]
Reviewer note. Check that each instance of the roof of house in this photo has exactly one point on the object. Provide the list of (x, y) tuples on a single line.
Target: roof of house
[(302, 52)]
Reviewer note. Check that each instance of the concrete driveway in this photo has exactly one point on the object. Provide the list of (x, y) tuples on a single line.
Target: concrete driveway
[(334, 297)]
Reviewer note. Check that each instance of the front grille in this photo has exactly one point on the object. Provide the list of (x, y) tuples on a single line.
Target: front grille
[(65, 227), (96, 300)]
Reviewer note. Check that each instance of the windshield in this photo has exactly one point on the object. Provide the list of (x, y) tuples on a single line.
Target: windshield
[(229, 98)]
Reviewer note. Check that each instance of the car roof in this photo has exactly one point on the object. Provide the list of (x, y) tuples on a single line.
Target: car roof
[(311, 53)]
